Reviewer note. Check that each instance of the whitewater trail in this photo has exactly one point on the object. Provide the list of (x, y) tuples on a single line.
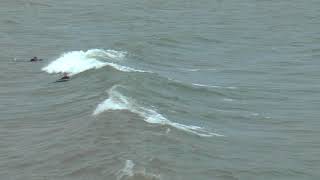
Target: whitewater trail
[(117, 101), (75, 62)]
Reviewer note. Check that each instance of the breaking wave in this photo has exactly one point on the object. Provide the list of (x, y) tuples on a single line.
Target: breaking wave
[(75, 62), (117, 101)]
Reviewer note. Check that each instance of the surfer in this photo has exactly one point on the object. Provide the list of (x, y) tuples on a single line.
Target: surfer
[(65, 76), (34, 59)]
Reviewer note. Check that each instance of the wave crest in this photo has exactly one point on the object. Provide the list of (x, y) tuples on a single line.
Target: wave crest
[(75, 62), (117, 101)]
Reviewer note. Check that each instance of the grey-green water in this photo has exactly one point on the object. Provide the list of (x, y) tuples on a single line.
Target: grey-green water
[(208, 89)]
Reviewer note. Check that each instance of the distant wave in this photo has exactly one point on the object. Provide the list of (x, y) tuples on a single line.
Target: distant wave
[(75, 62), (196, 70), (193, 85), (212, 86), (203, 85), (117, 101)]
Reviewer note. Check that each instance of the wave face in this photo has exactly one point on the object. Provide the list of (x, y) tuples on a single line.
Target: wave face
[(75, 62), (117, 101)]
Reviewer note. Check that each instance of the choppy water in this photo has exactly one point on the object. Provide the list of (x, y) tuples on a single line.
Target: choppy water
[(204, 89)]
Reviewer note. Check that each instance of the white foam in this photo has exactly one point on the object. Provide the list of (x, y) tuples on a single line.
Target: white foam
[(129, 172), (75, 62), (126, 171), (100, 53), (117, 101), (123, 68)]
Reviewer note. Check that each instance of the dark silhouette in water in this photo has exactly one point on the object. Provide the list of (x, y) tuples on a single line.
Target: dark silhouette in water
[(34, 59), (65, 77)]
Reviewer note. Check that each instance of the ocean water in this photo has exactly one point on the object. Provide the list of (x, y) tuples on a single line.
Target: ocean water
[(162, 90)]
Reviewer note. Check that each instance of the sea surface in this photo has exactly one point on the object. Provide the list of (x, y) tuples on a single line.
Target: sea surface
[(160, 90)]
